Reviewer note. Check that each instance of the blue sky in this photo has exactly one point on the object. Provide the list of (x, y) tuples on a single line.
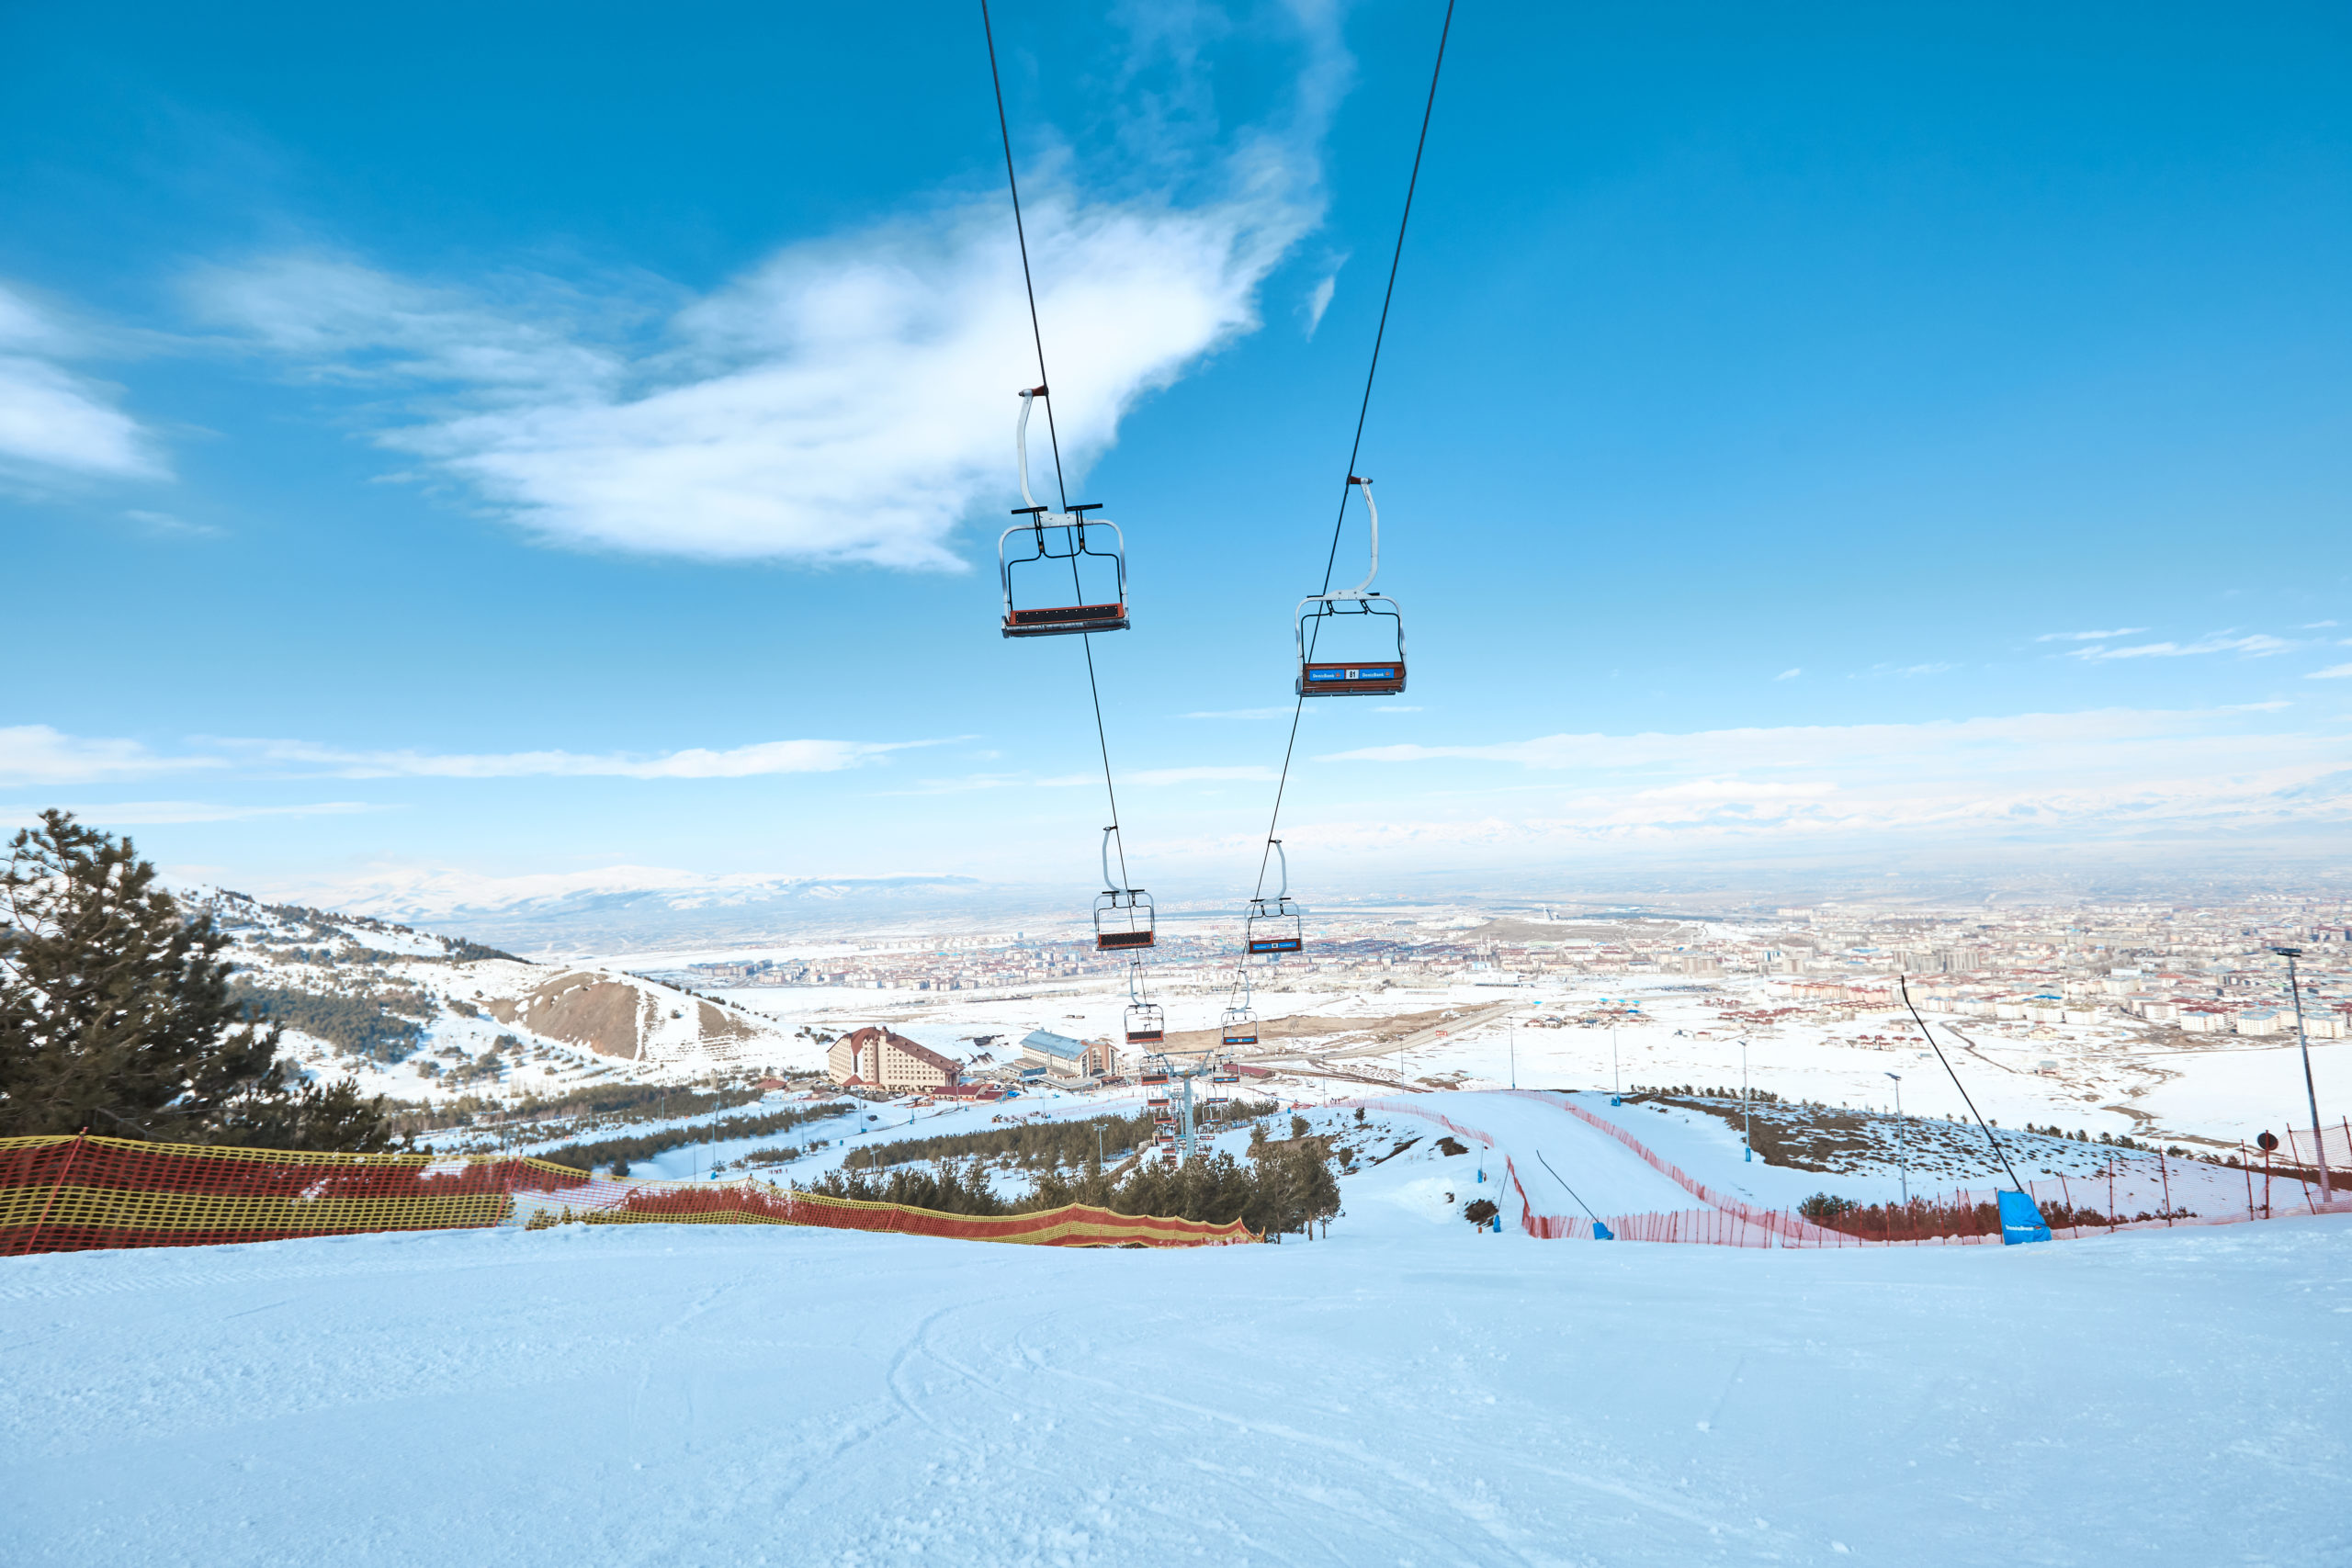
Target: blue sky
[(512, 444)]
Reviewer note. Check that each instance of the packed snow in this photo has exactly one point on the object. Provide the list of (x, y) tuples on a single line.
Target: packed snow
[(1410, 1390)]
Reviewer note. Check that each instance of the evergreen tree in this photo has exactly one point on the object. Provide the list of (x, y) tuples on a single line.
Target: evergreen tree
[(115, 1013)]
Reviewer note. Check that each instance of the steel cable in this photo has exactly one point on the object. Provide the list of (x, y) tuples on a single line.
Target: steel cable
[(1053, 436), (1356, 447)]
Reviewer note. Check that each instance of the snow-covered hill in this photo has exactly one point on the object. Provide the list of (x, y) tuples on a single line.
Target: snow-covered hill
[(423, 1017)]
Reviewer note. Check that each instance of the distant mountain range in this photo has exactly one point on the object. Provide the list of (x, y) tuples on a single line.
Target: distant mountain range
[(622, 907)]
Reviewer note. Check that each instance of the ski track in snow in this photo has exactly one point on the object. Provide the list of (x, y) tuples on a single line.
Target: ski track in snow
[(1408, 1391)]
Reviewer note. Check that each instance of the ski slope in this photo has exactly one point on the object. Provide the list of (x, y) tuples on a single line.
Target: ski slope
[(1409, 1392)]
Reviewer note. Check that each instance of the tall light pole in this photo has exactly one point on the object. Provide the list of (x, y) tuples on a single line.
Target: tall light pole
[(1513, 1025), (2319, 1145), (1616, 1089), (1901, 1165), (1746, 1118)]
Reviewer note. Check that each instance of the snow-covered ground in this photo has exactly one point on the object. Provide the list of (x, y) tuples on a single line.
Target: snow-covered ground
[(1408, 1391)]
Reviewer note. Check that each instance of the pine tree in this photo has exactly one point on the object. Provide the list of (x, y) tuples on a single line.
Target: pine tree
[(115, 1013)]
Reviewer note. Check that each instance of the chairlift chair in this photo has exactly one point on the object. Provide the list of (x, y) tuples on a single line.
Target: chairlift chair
[(1123, 916), (1056, 541), (1275, 926), (1147, 1025), (1239, 1028), (1351, 612)]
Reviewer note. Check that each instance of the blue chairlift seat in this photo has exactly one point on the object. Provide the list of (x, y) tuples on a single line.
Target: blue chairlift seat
[(1355, 613)]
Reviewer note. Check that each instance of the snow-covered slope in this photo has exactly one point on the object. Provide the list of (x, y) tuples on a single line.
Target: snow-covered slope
[(1400, 1394), (423, 1017)]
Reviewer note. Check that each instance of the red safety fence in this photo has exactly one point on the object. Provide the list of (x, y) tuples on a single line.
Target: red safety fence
[(70, 1194), (1959, 1219)]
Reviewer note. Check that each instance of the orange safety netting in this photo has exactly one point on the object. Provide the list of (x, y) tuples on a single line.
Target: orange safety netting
[(69, 1194)]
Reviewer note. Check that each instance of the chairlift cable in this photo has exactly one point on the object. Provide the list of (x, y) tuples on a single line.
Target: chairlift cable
[(1053, 435), (1363, 411)]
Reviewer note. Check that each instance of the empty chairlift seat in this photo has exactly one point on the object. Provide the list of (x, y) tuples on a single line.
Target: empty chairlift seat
[(1056, 581), (1352, 643)]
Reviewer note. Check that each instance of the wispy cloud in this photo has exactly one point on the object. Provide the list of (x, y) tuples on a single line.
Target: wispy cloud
[(850, 399), (166, 523), (2106, 773), (1790, 673), (1242, 712), (2253, 645), (2315, 626), (2089, 636), (174, 813), (37, 754), (1319, 299), (1906, 670), (1251, 773), (761, 759), (53, 420), (2332, 672)]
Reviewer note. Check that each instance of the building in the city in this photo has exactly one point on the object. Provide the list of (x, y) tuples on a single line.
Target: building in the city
[(1058, 1056), (876, 1056)]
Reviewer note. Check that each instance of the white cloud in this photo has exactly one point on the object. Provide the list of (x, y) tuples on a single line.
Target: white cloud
[(2332, 672), (165, 522), (1242, 712), (37, 754), (1901, 669), (2255, 645), (1248, 772), (2315, 626), (1319, 299), (2089, 636), (53, 420), (762, 760), (2104, 773), (170, 813), (1790, 673), (850, 399)]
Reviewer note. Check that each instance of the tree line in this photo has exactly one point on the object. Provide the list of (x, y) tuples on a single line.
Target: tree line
[(1034, 1145), (1282, 1187)]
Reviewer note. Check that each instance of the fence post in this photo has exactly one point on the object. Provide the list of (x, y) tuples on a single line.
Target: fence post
[(56, 1186), (2166, 1175)]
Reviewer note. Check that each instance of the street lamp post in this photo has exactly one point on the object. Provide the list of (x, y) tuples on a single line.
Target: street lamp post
[(1902, 1164), (1746, 1118), (2319, 1145)]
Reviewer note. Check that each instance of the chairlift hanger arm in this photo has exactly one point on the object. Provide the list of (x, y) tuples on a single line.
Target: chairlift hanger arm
[(1021, 447), (1372, 511)]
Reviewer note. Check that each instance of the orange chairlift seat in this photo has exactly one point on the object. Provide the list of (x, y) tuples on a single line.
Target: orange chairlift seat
[(1050, 542), (1122, 915), (1275, 926), (1371, 623)]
